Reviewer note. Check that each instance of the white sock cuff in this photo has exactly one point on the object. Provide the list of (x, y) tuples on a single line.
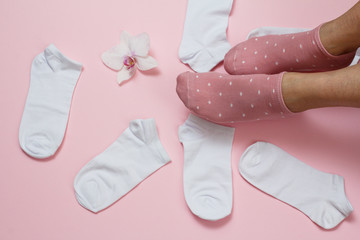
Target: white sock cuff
[(347, 207), (52, 52), (195, 122), (263, 31), (145, 130)]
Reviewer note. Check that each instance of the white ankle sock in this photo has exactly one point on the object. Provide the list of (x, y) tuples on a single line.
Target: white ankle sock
[(207, 167), (263, 31), (46, 112), (134, 156), (320, 196), (204, 43)]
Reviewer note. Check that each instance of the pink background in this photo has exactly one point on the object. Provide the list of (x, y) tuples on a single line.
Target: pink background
[(37, 198)]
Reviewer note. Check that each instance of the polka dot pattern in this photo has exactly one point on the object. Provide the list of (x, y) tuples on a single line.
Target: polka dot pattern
[(232, 98), (272, 54)]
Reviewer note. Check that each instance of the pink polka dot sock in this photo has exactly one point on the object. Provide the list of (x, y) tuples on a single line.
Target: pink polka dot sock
[(223, 98), (271, 54)]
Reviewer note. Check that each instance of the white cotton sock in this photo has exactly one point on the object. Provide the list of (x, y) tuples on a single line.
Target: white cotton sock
[(46, 112), (204, 43), (320, 196), (134, 156), (263, 31), (207, 167)]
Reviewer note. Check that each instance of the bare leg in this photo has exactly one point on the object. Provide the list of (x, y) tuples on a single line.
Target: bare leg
[(342, 35), (303, 91)]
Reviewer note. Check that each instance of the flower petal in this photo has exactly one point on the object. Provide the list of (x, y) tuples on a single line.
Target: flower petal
[(145, 63), (125, 38), (140, 45), (114, 58), (125, 74)]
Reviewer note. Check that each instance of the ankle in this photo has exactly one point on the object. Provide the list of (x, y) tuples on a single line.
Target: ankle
[(329, 39), (294, 92), (304, 91), (341, 36)]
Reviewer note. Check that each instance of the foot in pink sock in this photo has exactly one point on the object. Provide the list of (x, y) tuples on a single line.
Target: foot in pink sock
[(223, 98), (298, 52)]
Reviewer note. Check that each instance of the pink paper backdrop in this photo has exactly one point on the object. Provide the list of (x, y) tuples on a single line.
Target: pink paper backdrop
[(36, 196)]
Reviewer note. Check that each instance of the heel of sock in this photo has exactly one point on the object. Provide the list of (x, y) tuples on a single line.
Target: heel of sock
[(146, 131), (206, 58), (57, 60), (337, 62), (346, 205)]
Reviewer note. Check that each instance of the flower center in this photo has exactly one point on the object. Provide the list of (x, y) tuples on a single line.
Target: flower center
[(129, 62)]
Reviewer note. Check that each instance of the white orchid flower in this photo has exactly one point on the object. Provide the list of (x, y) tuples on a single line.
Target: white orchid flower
[(131, 53)]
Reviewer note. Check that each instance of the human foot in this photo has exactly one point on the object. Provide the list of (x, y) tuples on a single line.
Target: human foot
[(272, 54), (223, 98)]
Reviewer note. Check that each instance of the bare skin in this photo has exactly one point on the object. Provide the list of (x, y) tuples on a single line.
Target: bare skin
[(303, 91), (342, 35)]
